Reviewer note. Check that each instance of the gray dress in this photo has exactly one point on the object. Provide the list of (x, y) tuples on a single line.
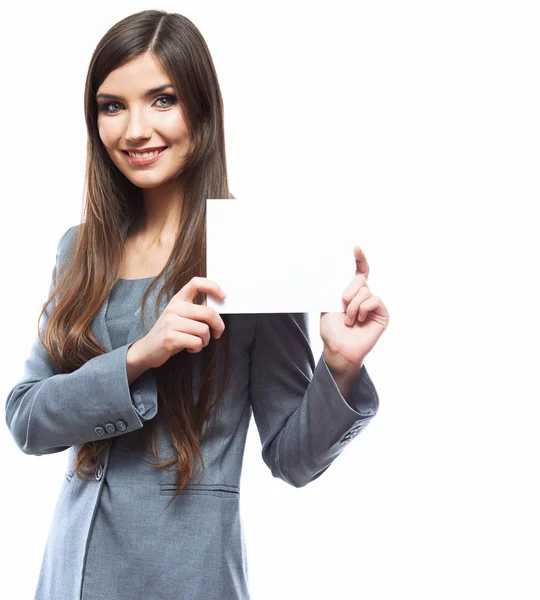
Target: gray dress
[(124, 301)]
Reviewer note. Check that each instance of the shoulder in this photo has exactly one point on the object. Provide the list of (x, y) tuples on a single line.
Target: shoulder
[(66, 240)]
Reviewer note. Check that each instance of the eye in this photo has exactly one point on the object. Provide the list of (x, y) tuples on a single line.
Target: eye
[(104, 107), (168, 97)]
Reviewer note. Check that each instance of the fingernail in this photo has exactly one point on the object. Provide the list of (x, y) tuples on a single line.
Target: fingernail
[(222, 292)]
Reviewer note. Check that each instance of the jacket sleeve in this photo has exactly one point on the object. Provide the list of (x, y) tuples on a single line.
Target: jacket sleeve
[(48, 411), (303, 420)]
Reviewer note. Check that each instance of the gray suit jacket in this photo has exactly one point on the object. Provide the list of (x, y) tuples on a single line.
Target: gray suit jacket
[(195, 549)]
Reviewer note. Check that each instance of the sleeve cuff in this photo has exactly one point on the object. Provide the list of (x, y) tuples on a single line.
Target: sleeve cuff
[(142, 391), (364, 400)]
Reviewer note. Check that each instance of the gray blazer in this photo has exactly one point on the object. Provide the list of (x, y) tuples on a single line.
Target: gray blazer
[(195, 549)]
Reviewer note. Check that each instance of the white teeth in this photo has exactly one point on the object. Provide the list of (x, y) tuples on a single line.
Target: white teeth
[(144, 154)]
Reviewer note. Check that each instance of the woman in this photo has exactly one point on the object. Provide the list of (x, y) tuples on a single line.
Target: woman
[(108, 379)]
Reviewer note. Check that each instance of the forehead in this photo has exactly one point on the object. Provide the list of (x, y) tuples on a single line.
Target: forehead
[(135, 76)]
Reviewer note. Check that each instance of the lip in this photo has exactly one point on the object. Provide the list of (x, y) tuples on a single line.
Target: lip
[(145, 161)]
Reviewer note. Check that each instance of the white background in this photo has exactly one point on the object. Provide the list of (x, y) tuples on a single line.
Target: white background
[(426, 115)]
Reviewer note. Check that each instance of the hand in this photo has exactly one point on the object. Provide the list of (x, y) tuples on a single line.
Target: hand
[(183, 325), (346, 343)]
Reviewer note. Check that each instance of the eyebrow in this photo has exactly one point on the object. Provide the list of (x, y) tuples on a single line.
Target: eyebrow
[(148, 93)]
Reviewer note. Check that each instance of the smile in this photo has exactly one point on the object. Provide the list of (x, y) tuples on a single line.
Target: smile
[(144, 158)]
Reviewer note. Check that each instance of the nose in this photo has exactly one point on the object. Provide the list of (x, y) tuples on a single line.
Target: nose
[(137, 127)]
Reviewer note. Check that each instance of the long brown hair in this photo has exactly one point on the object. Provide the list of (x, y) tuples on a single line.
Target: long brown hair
[(113, 205)]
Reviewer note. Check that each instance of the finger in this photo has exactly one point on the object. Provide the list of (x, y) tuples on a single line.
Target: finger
[(376, 309), (357, 282), (190, 343), (365, 308), (199, 284), (199, 312), (355, 305), (362, 266), (200, 329)]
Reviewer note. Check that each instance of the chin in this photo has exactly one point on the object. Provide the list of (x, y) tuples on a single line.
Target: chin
[(147, 185)]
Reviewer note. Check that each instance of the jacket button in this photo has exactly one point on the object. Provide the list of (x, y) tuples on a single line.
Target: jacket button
[(121, 425), (99, 472), (110, 427), (99, 430)]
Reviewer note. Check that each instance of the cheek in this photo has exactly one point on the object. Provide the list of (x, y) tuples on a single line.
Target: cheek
[(175, 126), (106, 133)]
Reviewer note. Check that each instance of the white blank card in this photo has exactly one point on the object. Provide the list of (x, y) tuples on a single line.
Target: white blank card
[(282, 255)]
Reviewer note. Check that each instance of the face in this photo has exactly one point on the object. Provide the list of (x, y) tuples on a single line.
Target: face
[(133, 115)]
